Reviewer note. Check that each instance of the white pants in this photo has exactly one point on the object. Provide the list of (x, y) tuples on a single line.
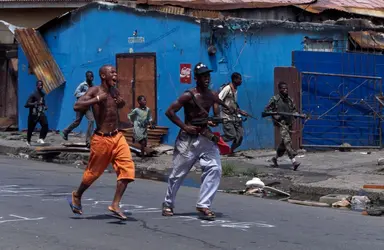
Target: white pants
[(188, 150)]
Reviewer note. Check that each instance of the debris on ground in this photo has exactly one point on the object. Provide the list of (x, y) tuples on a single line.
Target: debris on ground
[(255, 191), (373, 211), (333, 198), (380, 161), (247, 156), (341, 204), (345, 147), (359, 203), (255, 183), (164, 149), (365, 153), (275, 191), (308, 203)]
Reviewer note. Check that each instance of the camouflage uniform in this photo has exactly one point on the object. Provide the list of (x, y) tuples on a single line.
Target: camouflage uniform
[(278, 103)]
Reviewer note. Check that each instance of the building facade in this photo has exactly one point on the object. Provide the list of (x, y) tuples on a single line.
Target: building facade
[(155, 53)]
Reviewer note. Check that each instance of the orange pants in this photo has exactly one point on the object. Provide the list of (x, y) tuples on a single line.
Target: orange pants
[(105, 150)]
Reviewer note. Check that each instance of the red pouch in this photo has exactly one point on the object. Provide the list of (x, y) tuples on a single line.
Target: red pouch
[(223, 146)]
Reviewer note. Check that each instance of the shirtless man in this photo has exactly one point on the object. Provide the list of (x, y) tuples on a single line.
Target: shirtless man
[(108, 145), (195, 144)]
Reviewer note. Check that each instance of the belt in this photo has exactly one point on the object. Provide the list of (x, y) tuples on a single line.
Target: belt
[(113, 133)]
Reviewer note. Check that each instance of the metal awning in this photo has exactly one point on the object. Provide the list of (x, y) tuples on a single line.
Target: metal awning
[(40, 59), (368, 39)]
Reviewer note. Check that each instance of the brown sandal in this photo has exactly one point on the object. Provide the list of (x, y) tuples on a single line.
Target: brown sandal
[(167, 210), (206, 213)]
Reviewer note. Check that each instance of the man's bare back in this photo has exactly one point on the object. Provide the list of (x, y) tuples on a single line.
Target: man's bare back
[(105, 101)]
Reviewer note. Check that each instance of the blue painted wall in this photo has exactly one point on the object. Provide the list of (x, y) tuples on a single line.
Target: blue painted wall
[(92, 37), (255, 54), (350, 121)]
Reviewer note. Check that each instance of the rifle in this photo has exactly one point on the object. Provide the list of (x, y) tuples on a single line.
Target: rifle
[(296, 115), (204, 121)]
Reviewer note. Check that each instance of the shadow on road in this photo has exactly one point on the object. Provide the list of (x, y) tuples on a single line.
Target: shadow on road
[(104, 217)]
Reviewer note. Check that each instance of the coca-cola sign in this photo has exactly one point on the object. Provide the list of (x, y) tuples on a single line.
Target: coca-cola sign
[(185, 73)]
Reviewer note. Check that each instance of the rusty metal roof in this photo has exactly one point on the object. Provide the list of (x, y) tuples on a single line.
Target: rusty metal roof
[(40, 58), (226, 4), (360, 7), (33, 1), (368, 39)]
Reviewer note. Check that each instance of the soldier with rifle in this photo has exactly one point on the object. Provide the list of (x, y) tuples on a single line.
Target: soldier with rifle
[(282, 109), (195, 142)]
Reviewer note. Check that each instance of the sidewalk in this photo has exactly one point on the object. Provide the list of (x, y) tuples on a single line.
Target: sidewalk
[(321, 173)]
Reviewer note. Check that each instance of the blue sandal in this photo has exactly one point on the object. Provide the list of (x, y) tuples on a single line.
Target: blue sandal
[(75, 209)]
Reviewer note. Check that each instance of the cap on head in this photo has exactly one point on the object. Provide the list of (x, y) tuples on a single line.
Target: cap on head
[(200, 69)]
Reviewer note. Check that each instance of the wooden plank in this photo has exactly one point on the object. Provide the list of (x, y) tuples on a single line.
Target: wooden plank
[(5, 123), (309, 203), (61, 149), (74, 144), (373, 186)]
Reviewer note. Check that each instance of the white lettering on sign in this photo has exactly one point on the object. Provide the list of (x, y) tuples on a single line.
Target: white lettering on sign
[(134, 39)]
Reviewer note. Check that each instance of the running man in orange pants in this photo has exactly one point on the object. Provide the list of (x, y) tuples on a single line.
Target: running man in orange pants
[(108, 145)]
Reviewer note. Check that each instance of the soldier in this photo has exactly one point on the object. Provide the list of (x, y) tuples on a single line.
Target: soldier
[(283, 103)]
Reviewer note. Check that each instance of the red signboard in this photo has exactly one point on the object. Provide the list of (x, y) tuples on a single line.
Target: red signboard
[(185, 73)]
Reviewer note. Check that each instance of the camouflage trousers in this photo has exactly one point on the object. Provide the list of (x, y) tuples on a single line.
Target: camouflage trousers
[(286, 143)]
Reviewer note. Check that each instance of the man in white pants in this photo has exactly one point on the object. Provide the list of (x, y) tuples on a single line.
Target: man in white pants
[(195, 143)]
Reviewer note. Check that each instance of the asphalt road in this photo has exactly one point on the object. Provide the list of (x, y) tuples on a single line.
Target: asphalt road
[(34, 214)]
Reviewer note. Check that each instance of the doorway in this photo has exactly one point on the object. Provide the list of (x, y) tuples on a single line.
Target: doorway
[(291, 76), (137, 76)]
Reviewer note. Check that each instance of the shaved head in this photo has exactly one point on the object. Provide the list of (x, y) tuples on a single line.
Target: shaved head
[(108, 75), (104, 69)]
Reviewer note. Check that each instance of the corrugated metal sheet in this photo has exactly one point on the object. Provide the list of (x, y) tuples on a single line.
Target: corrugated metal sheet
[(168, 9), (40, 59), (361, 7), (205, 13), (226, 4), (368, 39)]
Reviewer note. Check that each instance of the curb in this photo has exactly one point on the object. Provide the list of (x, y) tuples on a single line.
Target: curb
[(322, 191)]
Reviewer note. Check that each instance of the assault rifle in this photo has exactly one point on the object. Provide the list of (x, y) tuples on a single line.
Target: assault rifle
[(204, 121), (296, 115)]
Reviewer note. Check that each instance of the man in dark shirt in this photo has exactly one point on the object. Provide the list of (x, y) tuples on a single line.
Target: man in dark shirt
[(283, 103), (36, 105)]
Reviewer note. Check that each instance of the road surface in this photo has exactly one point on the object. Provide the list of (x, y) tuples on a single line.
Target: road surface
[(34, 214)]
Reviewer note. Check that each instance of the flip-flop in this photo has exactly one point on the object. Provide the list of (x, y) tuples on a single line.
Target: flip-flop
[(75, 209), (119, 215)]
